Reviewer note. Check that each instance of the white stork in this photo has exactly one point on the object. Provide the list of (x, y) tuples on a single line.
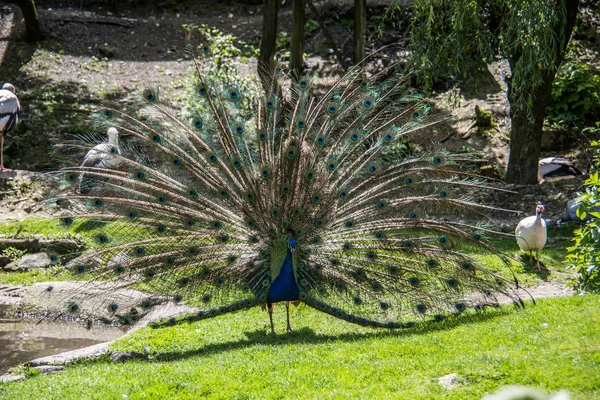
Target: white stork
[(10, 108), (555, 168), (103, 155)]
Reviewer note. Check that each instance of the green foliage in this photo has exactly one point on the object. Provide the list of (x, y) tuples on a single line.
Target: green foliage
[(51, 274), (232, 357), (13, 253), (283, 41), (529, 40), (585, 253), (448, 38), (310, 26), (219, 65), (28, 371), (575, 95), (453, 38)]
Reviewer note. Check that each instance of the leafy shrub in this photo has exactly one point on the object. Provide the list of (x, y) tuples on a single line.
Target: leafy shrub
[(585, 253), (448, 38), (13, 253), (575, 95), (219, 68)]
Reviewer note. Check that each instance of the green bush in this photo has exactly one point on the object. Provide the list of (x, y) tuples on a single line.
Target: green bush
[(448, 38), (585, 253), (218, 65), (575, 95)]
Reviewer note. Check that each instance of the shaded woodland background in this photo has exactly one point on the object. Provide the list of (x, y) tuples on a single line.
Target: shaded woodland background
[(85, 44)]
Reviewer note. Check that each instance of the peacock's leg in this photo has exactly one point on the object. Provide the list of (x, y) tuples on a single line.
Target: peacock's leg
[(287, 311), (537, 257), (531, 256), (270, 311)]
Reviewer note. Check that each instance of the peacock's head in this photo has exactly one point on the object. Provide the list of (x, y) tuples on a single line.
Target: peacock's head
[(539, 209), (292, 245)]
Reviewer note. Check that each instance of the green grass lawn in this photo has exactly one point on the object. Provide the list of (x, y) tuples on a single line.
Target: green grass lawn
[(554, 345), (553, 257)]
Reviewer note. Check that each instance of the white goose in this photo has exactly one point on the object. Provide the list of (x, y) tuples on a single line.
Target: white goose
[(531, 234)]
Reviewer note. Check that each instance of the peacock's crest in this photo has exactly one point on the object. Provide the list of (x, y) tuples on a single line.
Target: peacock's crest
[(210, 208)]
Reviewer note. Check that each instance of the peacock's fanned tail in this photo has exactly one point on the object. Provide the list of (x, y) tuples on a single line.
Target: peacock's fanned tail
[(200, 209)]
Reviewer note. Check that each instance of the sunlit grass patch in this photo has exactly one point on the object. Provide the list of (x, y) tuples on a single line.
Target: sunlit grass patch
[(552, 346)]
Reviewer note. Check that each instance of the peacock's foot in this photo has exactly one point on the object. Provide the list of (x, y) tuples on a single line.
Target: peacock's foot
[(289, 329), (538, 266)]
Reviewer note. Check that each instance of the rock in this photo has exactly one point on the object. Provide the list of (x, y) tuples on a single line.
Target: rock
[(106, 51), (90, 352), (29, 262), (118, 356), (4, 261), (10, 294), (11, 378), (50, 369), (449, 381)]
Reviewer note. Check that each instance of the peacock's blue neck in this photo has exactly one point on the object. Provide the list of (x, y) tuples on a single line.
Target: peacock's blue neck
[(284, 287)]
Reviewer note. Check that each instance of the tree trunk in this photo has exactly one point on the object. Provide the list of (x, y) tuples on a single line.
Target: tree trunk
[(268, 40), (526, 137), (360, 26), (526, 131), (297, 35), (32, 24)]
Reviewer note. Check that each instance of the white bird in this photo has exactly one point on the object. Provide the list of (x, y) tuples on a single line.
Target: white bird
[(570, 213), (531, 234), (10, 108), (555, 168), (103, 155)]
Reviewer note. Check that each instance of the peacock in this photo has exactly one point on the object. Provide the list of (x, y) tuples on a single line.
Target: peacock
[(288, 196)]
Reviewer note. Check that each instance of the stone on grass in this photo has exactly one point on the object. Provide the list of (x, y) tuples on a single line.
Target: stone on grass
[(29, 262), (449, 381), (11, 378), (117, 356), (50, 369)]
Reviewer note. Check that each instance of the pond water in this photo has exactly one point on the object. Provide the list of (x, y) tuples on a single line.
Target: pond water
[(23, 339)]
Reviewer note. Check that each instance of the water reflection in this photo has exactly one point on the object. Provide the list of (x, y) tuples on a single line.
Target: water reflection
[(22, 340)]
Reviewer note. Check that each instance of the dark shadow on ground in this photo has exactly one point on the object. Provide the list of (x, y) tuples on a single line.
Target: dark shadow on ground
[(307, 335)]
